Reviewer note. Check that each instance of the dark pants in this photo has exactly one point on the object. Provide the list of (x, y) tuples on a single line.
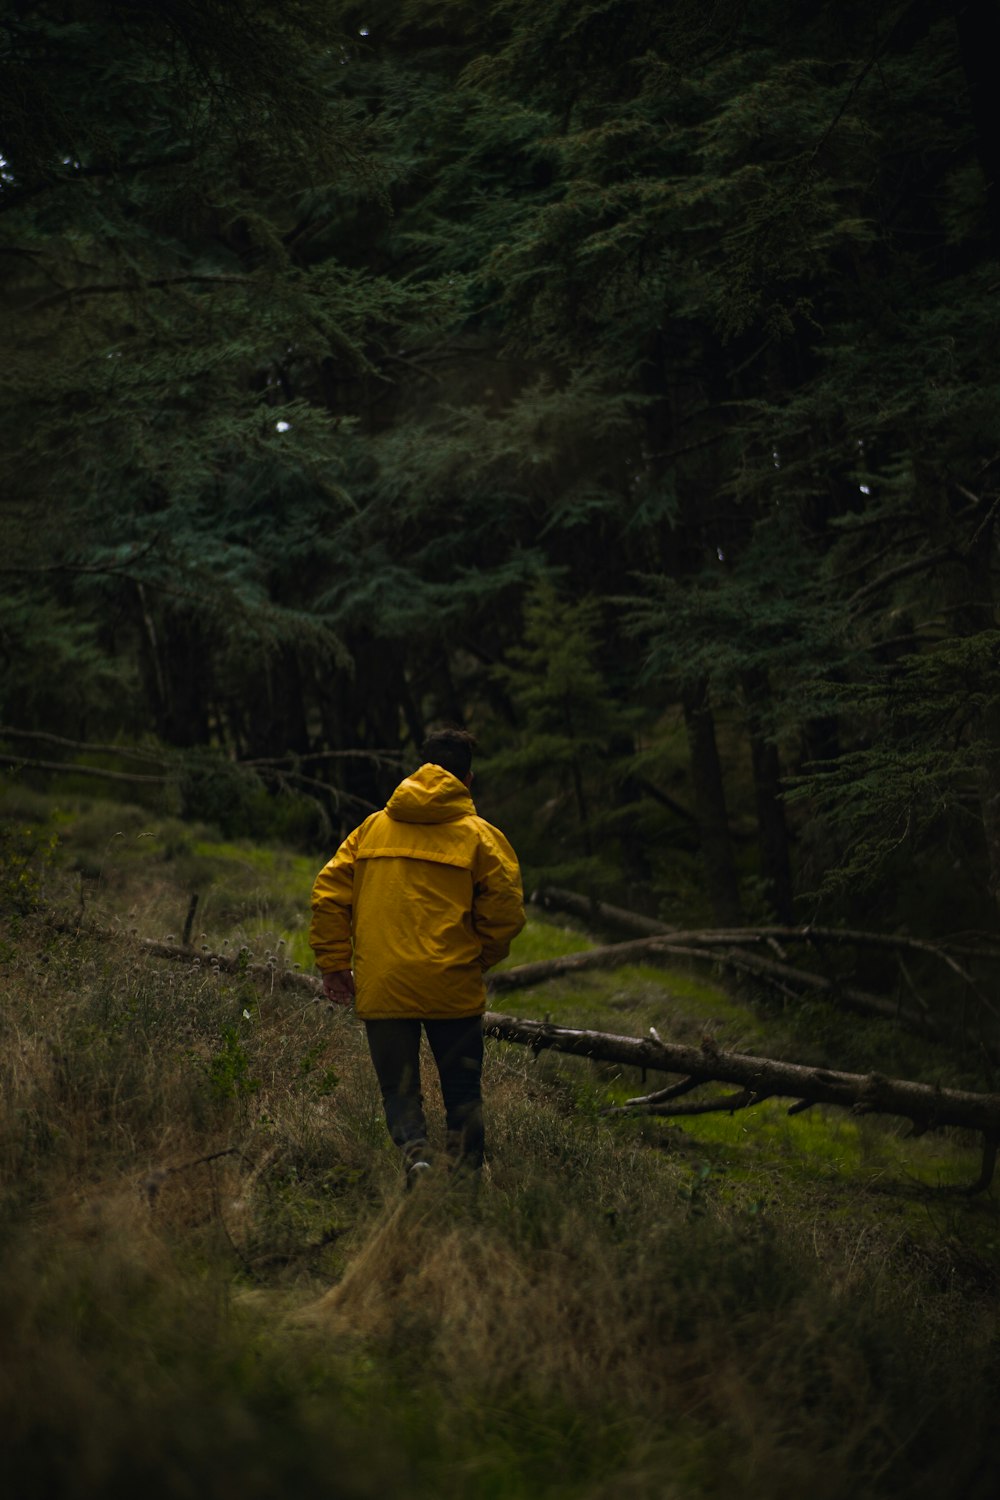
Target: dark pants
[(458, 1051)]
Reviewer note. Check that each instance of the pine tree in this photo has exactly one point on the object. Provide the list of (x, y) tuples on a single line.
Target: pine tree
[(566, 725)]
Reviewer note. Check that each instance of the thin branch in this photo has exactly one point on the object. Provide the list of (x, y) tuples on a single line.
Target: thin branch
[(72, 768), (665, 800), (904, 570), (380, 757), (99, 569), (589, 909), (917, 996), (13, 197), (275, 975), (7, 732), (797, 982), (281, 774), (693, 447), (280, 769), (156, 283), (413, 364), (869, 562), (726, 1104), (855, 85), (153, 1183), (661, 1096), (986, 522)]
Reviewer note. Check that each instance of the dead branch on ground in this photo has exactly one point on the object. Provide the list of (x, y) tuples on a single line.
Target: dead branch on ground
[(816, 938), (758, 1078), (716, 946)]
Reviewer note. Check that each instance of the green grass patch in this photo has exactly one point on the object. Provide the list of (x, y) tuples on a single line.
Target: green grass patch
[(680, 1005), (821, 1144), (543, 938)]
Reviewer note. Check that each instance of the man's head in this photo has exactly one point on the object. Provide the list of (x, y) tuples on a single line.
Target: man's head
[(452, 750)]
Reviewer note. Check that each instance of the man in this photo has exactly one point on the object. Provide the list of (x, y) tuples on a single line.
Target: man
[(430, 893)]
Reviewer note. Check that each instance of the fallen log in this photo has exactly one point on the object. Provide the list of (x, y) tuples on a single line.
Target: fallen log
[(71, 768), (597, 913), (718, 947), (925, 1106), (276, 973), (555, 898)]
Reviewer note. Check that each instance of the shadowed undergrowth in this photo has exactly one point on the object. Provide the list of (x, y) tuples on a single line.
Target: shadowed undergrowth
[(213, 1283)]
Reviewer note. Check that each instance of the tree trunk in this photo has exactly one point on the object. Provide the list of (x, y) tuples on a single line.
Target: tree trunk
[(977, 614), (582, 810), (710, 805), (150, 661), (628, 794), (186, 665), (772, 829), (978, 26)]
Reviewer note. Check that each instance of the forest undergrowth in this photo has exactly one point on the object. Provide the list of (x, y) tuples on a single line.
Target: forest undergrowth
[(214, 1283)]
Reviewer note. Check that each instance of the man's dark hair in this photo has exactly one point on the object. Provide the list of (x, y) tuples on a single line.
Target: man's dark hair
[(451, 749)]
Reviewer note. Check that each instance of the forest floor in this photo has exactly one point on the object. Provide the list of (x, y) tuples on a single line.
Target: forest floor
[(214, 1283)]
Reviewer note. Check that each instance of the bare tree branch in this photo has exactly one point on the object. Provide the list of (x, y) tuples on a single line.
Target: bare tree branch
[(7, 732), (380, 757), (726, 1104), (553, 898), (153, 283), (73, 768), (717, 946), (904, 570), (100, 569)]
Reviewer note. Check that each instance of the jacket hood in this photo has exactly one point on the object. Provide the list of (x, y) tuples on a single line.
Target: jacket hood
[(430, 795)]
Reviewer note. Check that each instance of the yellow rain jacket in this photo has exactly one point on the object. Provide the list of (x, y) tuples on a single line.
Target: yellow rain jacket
[(431, 895)]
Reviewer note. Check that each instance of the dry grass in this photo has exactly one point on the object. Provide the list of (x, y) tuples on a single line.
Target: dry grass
[(214, 1284)]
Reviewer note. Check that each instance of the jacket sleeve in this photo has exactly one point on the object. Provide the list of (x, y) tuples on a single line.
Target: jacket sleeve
[(497, 901), (332, 908)]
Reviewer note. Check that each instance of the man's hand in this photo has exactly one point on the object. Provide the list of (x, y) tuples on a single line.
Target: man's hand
[(338, 986)]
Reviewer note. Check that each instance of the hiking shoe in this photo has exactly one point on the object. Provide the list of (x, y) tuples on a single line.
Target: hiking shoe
[(417, 1171)]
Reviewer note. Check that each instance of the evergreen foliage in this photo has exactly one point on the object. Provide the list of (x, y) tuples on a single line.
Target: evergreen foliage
[(335, 330), (566, 731)]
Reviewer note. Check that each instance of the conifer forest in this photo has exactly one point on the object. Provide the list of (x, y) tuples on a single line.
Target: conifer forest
[(618, 380)]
